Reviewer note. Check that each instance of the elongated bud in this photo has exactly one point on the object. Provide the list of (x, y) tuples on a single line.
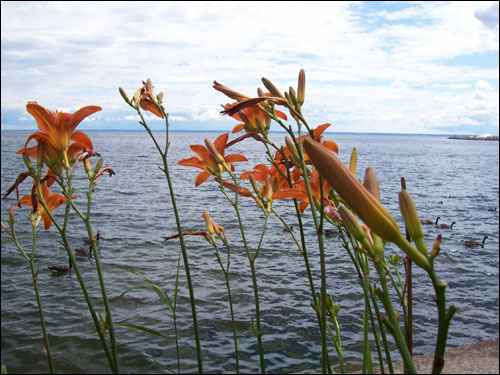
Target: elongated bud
[(293, 97), (124, 96), (371, 183), (368, 234), (354, 227), (241, 190), (301, 87), (272, 89), (413, 225), (269, 192), (98, 166), (11, 216), (254, 184), (436, 246), (217, 156), (88, 168), (295, 159), (209, 225), (354, 161), (352, 191)]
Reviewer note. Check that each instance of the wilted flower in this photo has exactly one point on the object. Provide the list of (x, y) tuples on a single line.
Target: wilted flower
[(145, 98)]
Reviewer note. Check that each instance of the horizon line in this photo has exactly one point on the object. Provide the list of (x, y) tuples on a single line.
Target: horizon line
[(272, 131)]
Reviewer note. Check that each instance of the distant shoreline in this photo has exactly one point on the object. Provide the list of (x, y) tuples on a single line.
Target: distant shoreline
[(473, 138)]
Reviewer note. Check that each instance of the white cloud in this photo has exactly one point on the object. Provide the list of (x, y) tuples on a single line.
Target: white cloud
[(360, 66)]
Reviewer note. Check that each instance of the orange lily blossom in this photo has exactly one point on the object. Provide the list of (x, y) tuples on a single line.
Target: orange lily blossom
[(249, 110), (58, 130), (145, 98), (53, 201), (253, 117), (299, 191), (208, 162), (318, 136), (262, 171)]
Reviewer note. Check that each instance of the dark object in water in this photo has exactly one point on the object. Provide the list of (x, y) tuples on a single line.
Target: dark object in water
[(446, 226), (472, 243), (83, 251), (431, 221), (62, 269)]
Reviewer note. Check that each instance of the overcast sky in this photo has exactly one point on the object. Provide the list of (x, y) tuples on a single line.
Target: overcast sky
[(397, 67)]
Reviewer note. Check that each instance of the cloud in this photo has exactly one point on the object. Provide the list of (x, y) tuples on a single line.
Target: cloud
[(364, 62)]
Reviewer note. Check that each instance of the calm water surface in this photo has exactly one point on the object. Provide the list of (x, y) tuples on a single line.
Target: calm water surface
[(454, 179)]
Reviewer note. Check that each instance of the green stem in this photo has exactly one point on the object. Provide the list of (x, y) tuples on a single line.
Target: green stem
[(324, 347), (251, 260), (95, 251), (179, 230), (34, 275), (62, 232), (226, 276), (393, 321), (444, 322)]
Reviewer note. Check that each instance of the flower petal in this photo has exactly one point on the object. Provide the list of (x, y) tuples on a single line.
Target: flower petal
[(201, 178)]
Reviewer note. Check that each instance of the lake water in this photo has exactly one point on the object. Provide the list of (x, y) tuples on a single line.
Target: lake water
[(457, 180)]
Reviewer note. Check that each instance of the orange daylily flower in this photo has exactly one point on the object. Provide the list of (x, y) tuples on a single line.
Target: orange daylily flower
[(145, 98), (53, 201), (57, 131), (318, 136), (299, 191), (249, 110), (208, 161), (262, 171), (254, 118)]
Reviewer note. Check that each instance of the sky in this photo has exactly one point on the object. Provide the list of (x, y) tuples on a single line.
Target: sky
[(372, 67)]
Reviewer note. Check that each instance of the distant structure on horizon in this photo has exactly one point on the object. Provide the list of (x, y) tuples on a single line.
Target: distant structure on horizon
[(481, 137)]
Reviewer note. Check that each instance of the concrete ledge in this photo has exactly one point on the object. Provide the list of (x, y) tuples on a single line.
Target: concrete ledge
[(478, 358)]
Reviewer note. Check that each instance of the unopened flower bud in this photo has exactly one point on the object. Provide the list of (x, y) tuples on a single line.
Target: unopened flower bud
[(293, 96), (301, 87), (11, 216), (371, 183), (272, 89), (214, 152), (253, 183), (209, 224), (354, 227), (159, 97), (354, 161), (413, 225), (88, 167), (294, 154), (352, 191), (98, 166), (269, 192), (124, 96), (436, 246)]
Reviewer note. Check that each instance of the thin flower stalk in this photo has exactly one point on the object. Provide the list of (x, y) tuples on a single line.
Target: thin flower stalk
[(95, 252), (251, 260), (111, 356), (163, 153), (233, 322), (34, 276)]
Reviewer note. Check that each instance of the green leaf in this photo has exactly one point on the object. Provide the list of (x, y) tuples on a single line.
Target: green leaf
[(144, 329)]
